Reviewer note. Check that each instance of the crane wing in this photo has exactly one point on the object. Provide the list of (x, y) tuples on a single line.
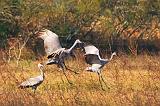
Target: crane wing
[(31, 82), (56, 54), (90, 49), (51, 41), (92, 59)]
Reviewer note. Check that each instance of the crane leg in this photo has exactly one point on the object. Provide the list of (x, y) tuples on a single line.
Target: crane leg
[(63, 69), (70, 69), (66, 76), (104, 81), (34, 89), (100, 81)]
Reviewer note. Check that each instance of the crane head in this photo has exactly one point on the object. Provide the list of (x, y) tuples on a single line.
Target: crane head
[(78, 41), (114, 53), (40, 66), (79, 44)]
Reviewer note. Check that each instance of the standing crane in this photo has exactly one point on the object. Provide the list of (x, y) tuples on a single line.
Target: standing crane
[(35, 81), (92, 57), (55, 53)]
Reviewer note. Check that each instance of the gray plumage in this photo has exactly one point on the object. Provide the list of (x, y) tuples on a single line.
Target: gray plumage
[(55, 53), (92, 57), (52, 44), (53, 49), (51, 41), (35, 81)]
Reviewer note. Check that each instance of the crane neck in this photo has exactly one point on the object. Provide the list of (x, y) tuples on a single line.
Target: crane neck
[(99, 57), (72, 47), (41, 72), (111, 57)]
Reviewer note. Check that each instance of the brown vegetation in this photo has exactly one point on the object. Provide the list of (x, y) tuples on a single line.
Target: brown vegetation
[(134, 24), (125, 26), (132, 80)]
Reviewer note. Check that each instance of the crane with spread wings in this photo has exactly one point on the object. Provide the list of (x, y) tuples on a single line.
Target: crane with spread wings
[(55, 53), (93, 58)]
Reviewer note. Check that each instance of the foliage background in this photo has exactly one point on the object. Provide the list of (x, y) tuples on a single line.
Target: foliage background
[(130, 26)]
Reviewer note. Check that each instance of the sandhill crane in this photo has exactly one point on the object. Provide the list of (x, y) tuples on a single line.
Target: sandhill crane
[(55, 53), (34, 82), (92, 57)]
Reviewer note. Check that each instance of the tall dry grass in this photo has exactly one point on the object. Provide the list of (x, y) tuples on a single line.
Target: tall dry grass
[(133, 81)]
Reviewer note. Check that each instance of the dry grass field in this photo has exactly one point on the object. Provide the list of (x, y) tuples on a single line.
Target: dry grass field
[(133, 81)]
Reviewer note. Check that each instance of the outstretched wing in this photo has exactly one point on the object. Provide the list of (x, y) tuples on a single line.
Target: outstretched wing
[(31, 82), (51, 41), (90, 49), (56, 54)]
